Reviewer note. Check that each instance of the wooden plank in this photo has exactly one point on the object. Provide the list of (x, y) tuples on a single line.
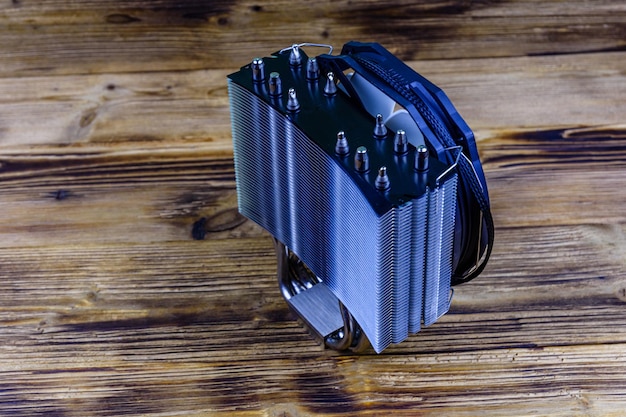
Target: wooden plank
[(557, 177), (42, 37), (120, 111), (141, 328), (187, 111), (517, 298), (512, 377)]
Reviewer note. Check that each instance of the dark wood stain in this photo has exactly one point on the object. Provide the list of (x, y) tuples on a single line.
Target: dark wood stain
[(404, 28), (224, 220), (62, 194), (121, 19), (617, 48), (80, 169), (221, 221), (198, 230), (204, 32), (574, 145)]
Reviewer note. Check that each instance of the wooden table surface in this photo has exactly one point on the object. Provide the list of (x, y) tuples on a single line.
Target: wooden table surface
[(115, 140)]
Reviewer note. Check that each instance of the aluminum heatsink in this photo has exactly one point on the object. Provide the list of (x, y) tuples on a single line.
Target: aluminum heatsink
[(364, 218)]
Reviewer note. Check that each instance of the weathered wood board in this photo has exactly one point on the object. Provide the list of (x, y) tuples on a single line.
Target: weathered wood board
[(115, 141)]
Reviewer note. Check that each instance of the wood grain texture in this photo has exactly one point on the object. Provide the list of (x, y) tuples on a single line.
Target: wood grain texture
[(115, 158), (40, 37)]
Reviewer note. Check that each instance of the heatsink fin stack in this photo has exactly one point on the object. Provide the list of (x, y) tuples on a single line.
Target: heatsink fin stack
[(378, 232)]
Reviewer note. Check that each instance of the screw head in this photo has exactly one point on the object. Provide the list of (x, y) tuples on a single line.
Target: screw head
[(400, 143), (342, 148), (295, 57), (312, 69), (330, 89), (421, 158), (382, 180), (361, 159), (275, 84), (380, 130), (292, 101)]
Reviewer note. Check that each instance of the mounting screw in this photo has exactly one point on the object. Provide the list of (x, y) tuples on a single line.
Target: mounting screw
[(380, 130), (275, 84), (361, 159), (421, 158), (292, 102), (342, 147), (400, 143), (295, 58), (382, 180), (330, 89), (258, 70), (312, 69)]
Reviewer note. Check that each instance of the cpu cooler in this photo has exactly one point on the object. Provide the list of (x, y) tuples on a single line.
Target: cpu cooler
[(369, 182)]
